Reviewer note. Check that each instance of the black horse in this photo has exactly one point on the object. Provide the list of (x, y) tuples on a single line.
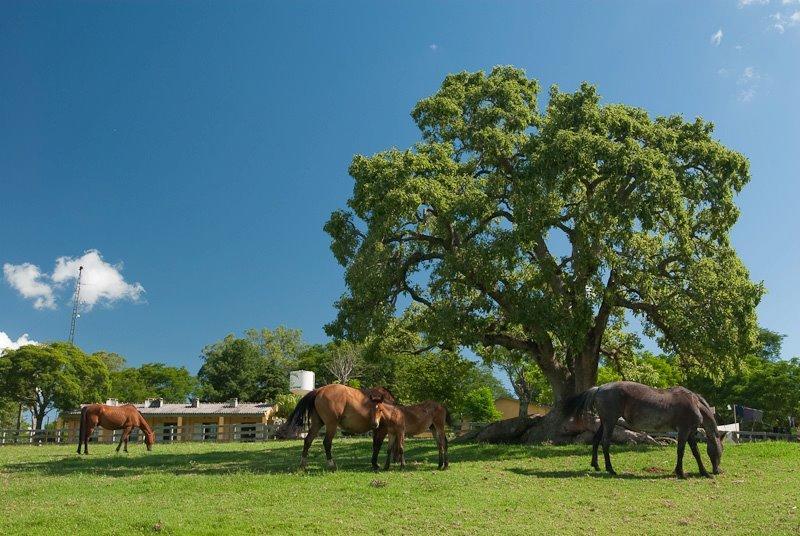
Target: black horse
[(646, 408)]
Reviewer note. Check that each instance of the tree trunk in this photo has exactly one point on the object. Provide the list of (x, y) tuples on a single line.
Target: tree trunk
[(524, 402), (554, 427), (38, 417)]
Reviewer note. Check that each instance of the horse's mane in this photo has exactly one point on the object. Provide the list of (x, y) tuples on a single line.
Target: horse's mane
[(150, 428), (709, 420)]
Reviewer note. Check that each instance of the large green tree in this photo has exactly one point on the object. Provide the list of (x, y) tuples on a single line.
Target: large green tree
[(153, 380), (9, 413), (535, 230), (281, 345), (237, 368), (46, 376)]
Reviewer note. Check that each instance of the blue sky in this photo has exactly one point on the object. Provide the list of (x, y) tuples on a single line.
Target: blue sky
[(199, 147)]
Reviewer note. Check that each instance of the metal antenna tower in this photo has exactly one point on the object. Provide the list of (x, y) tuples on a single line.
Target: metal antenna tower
[(75, 314)]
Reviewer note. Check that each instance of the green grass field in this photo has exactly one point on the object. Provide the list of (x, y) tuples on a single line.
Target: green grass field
[(197, 488)]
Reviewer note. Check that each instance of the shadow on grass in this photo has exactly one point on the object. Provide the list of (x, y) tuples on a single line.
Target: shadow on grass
[(350, 455), (524, 471)]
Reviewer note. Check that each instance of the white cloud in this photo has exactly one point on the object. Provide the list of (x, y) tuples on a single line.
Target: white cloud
[(716, 39), (749, 82), (746, 94), (785, 21), (743, 3), (787, 2), (748, 74), (433, 46), (101, 282), (27, 279), (7, 344)]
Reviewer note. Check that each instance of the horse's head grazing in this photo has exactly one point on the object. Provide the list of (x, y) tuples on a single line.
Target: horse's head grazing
[(714, 449), (149, 439)]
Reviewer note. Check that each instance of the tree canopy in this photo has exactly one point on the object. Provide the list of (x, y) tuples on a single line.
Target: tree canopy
[(57, 375), (153, 380), (535, 230), (239, 368)]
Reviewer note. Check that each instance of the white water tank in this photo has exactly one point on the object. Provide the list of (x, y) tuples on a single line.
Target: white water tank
[(301, 382)]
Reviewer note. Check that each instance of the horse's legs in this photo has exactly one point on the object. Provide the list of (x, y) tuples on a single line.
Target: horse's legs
[(441, 442), (89, 431), (121, 440), (696, 452), (598, 435), (400, 446), (608, 431), (330, 432), (390, 446), (377, 441), (446, 457), (313, 429), (683, 434), (126, 433)]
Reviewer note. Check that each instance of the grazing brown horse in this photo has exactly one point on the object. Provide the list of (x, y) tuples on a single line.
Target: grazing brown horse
[(337, 405), (657, 410), (401, 421), (124, 418)]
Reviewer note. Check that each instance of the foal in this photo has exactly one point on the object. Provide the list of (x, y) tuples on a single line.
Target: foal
[(401, 421), (125, 417), (657, 410)]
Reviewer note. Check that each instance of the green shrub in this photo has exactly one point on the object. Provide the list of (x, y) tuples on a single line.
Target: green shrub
[(285, 405), (479, 405)]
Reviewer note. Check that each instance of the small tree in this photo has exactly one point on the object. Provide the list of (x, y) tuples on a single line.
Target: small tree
[(526, 378), (479, 405), (439, 376), (345, 362), (285, 404)]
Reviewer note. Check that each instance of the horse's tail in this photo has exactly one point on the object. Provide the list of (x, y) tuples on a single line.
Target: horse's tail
[(82, 428), (578, 405), (302, 410)]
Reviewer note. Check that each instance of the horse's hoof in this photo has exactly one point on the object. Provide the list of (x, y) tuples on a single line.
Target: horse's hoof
[(596, 467), (706, 475), (681, 476), (331, 465), (611, 472)]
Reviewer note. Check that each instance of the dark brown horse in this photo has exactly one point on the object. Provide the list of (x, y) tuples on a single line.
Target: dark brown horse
[(124, 418), (647, 409), (337, 405), (400, 422)]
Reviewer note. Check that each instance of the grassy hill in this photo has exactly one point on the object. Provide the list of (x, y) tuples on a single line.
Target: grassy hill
[(197, 488)]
